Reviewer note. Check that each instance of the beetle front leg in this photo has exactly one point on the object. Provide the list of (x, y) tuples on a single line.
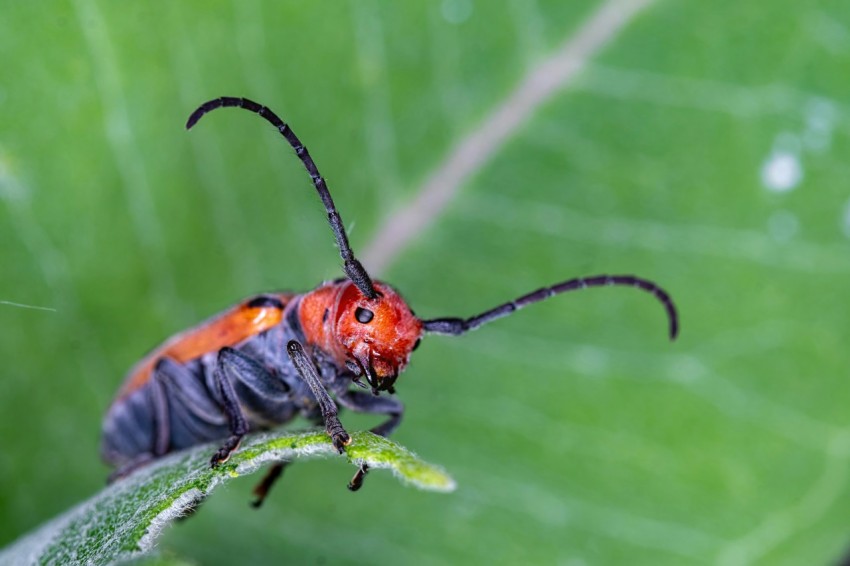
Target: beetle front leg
[(224, 374), (367, 403), (307, 370)]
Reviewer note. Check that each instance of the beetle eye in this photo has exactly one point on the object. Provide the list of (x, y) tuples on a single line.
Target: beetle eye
[(363, 315), (416, 344)]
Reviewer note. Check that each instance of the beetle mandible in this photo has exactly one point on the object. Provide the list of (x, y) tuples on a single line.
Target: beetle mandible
[(279, 355)]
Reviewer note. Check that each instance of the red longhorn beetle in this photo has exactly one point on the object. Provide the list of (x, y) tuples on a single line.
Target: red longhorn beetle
[(279, 355)]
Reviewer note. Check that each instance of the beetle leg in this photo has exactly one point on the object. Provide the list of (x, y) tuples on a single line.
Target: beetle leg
[(224, 374), (190, 389), (361, 402), (239, 371), (125, 470), (366, 403), (162, 429), (307, 370), (194, 416), (261, 490)]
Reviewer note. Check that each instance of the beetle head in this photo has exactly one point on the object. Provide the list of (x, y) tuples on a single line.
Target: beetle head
[(377, 335)]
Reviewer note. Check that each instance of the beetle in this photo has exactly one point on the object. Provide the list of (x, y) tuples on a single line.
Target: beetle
[(276, 356)]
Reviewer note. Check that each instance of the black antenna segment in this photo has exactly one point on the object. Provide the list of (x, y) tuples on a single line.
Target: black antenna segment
[(458, 326), (352, 267)]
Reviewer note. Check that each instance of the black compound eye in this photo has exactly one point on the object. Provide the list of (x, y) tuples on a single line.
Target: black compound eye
[(364, 316), (416, 344)]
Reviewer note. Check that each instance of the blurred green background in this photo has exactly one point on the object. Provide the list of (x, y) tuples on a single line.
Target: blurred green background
[(705, 147)]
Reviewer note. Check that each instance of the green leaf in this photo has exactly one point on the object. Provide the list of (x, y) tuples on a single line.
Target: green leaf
[(126, 519)]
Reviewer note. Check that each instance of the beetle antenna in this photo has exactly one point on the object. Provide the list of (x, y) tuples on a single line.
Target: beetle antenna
[(458, 326), (352, 267)]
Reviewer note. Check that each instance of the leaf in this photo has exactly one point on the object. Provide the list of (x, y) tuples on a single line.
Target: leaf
[(125, 519)]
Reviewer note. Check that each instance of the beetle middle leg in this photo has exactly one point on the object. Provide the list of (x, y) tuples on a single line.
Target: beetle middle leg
[(241, 380), (226, 371), (367, 403)]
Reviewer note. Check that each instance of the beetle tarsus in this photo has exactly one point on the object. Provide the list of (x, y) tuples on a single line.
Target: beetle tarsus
[(339, 437), (357, 481), (222, 455)]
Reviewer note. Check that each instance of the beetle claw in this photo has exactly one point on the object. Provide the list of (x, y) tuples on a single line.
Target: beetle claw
[(222, 455), (219, 459), (357, 481), (341, 441), (340, 438)]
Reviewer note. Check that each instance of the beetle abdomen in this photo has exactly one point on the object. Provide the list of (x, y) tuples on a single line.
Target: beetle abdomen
[(128, 429)]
